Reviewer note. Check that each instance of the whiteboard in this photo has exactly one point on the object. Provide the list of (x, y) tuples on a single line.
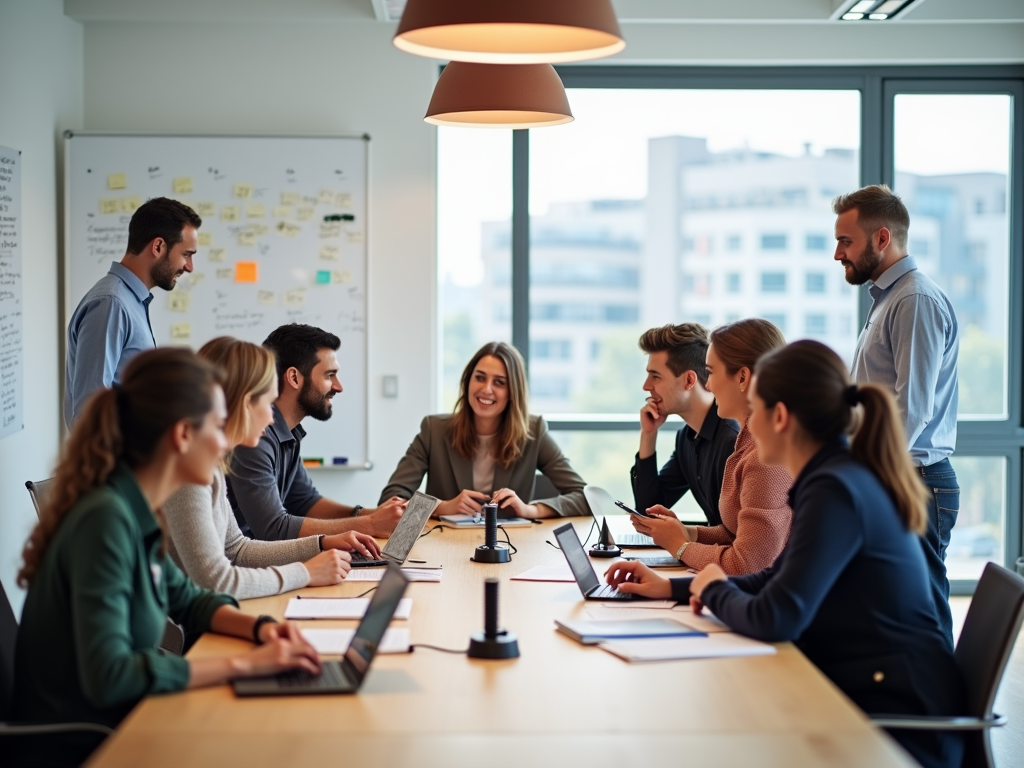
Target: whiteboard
[(12, 359), (283, 239)]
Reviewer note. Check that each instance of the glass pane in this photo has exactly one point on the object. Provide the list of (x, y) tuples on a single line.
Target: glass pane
[(474, 247), (977, 537), (660, 206), (605, 458), (952, 160)]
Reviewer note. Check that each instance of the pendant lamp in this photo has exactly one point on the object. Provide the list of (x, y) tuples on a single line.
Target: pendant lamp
[(498, 96), (510, 31)]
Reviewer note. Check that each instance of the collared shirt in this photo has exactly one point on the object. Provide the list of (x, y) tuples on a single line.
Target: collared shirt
[(109, 327), (268, 487), (909, 346), (95, 613), (696, 465)]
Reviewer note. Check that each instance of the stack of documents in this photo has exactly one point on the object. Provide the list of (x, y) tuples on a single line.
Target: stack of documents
[(334, 642), (477, 521), (594, 632), (376, 574), (670, 648), (338, 608)]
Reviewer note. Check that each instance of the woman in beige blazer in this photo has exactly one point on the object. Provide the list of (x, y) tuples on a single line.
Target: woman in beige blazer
[(489, 448)]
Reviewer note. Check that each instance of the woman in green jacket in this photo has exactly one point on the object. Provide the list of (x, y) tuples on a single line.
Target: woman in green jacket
[(100, 585)]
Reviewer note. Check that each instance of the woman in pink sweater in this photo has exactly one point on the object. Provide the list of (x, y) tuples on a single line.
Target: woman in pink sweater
[(754, 503)]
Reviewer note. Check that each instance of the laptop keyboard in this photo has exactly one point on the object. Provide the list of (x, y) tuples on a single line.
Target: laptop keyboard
[(359, 557), (330, 676), (657, 561), (608, 592), (634, 540)]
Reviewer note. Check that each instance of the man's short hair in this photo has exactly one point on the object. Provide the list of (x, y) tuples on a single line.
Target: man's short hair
[(687, 347), (159, 217), (298, 346), (877, 206)]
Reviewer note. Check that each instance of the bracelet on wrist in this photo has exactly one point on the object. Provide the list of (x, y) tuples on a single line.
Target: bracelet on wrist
[(355, 510), (320, 541), (679, 552), (256, 627)]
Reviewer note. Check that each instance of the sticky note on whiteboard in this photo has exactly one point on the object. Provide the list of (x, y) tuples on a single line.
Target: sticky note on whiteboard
[(247, 238), (282, 211), (296, 297), (246, 271), (182, 185), (242, 191), (196, 278), (343, 200), (330, 252), (215, 254), (304, 212), (110, 205), (256, 211), (178, 301), (287, 229), (229, 213), (267, 297), (323, 277), (130, 204), (341, 276), (117, 181), (290, 198), (205, 208), (225, 274), (205, 238), (181, 331), (326, 197)]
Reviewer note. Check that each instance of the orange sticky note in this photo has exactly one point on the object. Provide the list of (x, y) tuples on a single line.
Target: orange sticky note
[(246, 271)]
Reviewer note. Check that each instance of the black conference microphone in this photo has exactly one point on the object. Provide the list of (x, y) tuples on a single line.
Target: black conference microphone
[(491, 551), (492, 643), (604, 546)]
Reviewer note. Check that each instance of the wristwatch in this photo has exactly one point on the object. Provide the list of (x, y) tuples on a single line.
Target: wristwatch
[(355, 510), (679, 552), (260, 621)]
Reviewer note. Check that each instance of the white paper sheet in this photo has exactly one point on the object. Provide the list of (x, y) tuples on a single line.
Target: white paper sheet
[(338, 608), (671, 648), (546, 573), (706, 622), (647, 605), (376, 574), (334, 642)]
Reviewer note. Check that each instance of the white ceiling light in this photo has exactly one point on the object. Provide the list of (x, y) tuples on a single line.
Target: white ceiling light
[(871, 10)]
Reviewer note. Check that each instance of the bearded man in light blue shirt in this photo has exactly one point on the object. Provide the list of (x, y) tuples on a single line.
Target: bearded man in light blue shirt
[(111, 324), (909, 345)]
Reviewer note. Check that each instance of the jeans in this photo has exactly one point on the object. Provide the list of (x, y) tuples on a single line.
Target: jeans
[(943, 507)]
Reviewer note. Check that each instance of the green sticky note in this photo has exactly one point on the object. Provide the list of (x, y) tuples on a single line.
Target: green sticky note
[(323, 277)]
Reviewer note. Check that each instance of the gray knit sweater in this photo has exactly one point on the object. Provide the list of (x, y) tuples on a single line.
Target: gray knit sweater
[(208, 545)]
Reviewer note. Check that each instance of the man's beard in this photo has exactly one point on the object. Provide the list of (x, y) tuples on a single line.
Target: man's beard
[(314, 403), (163, 275), (866, 265)]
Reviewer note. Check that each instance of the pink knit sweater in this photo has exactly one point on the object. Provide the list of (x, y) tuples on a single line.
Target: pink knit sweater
[(755, 515)]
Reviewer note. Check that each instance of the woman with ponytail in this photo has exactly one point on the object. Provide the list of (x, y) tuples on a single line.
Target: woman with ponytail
[(100, 586), (851, 588)]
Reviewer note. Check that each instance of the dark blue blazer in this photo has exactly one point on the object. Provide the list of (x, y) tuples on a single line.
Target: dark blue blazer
[(851, 591)]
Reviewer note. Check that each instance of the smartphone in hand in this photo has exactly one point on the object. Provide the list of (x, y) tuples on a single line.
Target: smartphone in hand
[(632, 511)]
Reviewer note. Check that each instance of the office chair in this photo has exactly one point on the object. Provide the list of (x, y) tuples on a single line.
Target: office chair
[(989, 633), (173, 641)]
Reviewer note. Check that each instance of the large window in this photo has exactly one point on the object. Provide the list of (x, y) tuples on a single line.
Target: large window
[(705, 195)]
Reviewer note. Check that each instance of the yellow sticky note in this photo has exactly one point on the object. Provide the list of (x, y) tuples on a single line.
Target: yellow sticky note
[(181, 331), (182, 185), (282, 211), (325, 197), (343, 200), (215, 254), (267, 297), (242, 191), (295, 297), (225, 274), (117, 181), (290, 198), (110, 205), (287, 229), (341, 276), (330, 252), (354, 237), (130, 204), (304, 212), (256, 211), (205, 238), (247, 238), (246, 271), (205, 208), (229, 213), (196, 278), (330, 229), (179, 301)]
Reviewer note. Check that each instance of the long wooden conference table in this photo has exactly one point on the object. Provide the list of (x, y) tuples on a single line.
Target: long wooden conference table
[(560, 703)]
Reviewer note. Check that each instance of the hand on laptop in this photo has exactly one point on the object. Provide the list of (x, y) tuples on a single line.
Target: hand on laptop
[(353, 541), (384, 518), (283, 648), (329, 567), (466, 503), (636, 578)]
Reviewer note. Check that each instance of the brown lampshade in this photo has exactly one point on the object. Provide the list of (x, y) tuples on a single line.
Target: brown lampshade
[(498, 96), (510, 31)]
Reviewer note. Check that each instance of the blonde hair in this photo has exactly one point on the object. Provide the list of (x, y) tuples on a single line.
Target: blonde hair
[(514, 431), (249, 371)]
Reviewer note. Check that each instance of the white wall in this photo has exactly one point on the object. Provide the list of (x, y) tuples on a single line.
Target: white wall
[(307, 77), (40, 96)]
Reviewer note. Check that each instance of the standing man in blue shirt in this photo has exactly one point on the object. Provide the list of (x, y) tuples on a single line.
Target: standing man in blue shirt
[(909, 345), (111, 324)]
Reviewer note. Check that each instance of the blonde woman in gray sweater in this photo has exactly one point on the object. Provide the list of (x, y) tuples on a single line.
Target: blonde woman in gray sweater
[(206, 541)]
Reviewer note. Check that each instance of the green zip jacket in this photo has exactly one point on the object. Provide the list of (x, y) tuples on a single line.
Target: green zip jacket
[(96, 610)]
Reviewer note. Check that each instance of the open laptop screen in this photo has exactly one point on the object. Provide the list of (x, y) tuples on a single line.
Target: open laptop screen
[(375, 622), (579, 563), (416, 514)]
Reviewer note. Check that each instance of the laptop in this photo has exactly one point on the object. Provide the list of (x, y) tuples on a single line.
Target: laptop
[(343, 676), (636, 541), (408, 530), (583, 571)]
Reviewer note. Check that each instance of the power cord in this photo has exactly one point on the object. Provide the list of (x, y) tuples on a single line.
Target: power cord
[(511, 546), (590, 533), (437, 527)]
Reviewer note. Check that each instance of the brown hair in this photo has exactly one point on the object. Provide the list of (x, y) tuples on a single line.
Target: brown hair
[(159, 217), (812, 381), (515, 426), (877, 206), (740, 344), (249, 371), (686, 344), (160, 387)]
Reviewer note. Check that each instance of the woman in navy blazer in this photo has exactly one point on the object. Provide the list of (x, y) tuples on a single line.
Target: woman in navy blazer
[(851, 588)]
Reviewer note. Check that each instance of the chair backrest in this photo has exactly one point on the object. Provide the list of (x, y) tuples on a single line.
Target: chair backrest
[(8, 634), (38, 491), (989, 633)]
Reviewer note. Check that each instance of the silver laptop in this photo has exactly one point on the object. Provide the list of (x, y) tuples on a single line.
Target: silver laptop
[(583, 571), (347, 675), (408, 530)]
